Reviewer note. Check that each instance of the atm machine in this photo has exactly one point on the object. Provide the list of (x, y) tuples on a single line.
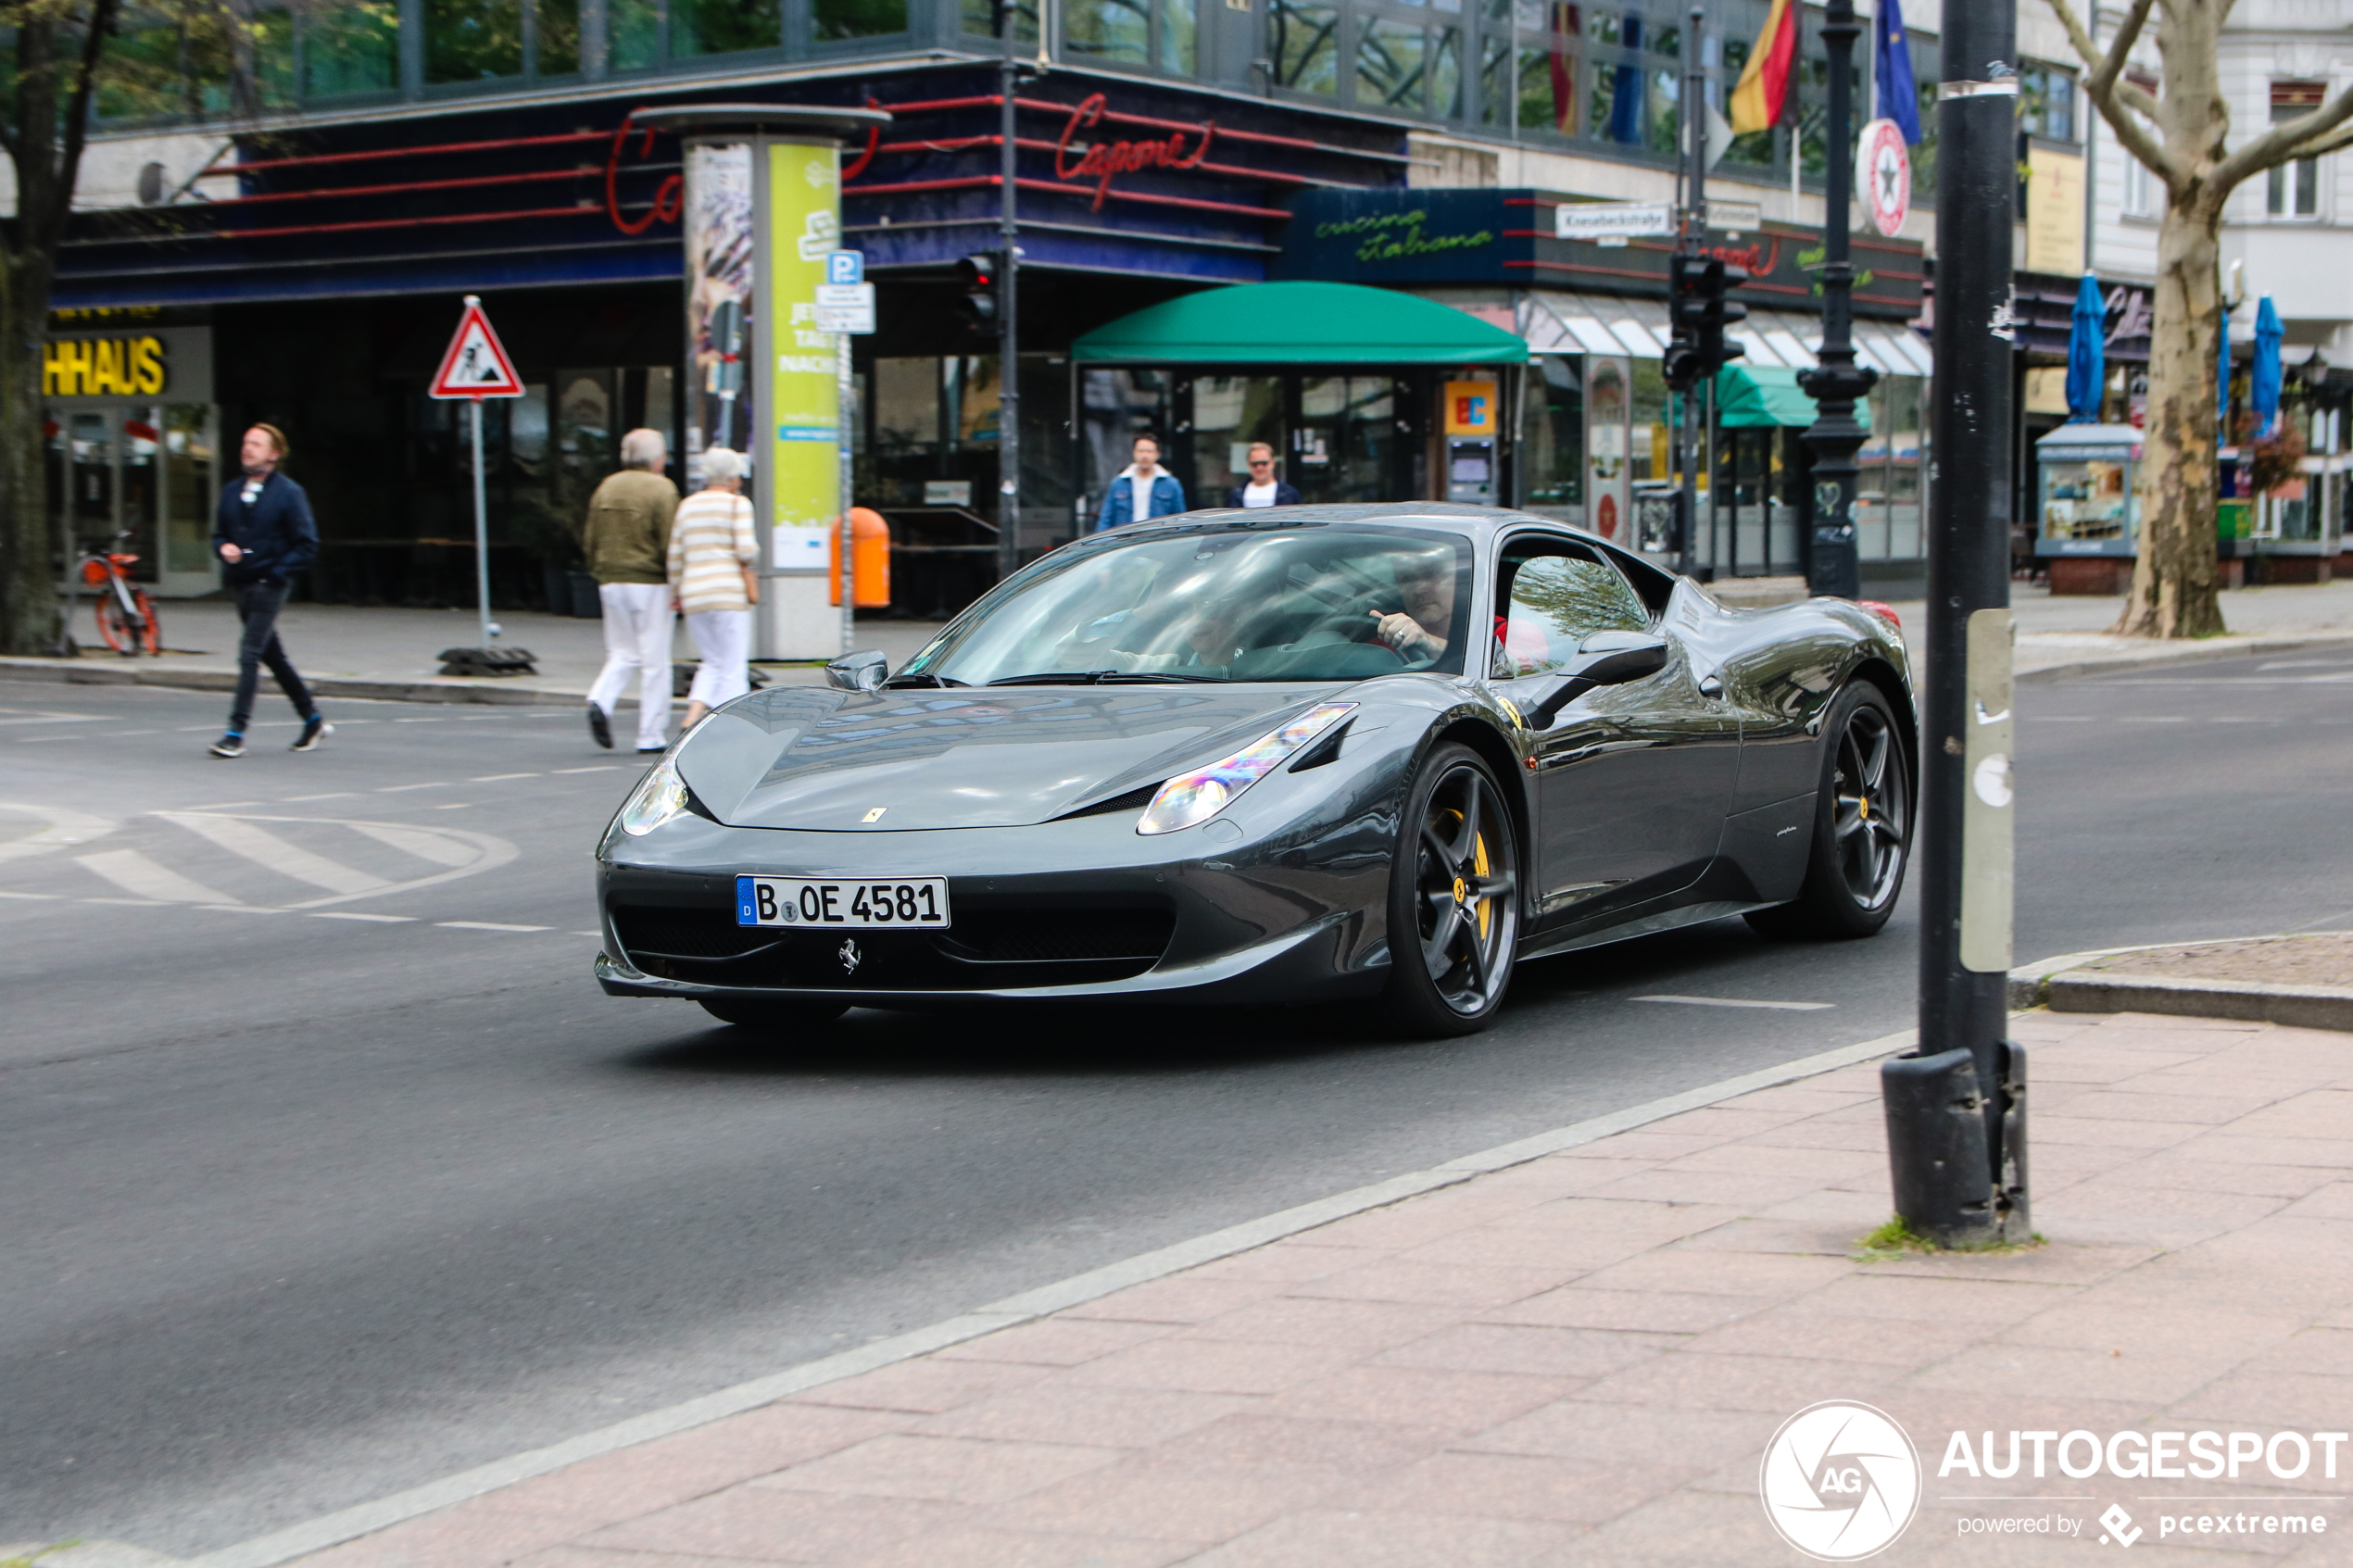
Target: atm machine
[(1472, 423)]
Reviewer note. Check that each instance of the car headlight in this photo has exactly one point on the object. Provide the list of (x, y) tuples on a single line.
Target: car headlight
[(659, 796), (1202, 794)]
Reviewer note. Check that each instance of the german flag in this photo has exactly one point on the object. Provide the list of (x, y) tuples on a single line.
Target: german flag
[(1764, 85)]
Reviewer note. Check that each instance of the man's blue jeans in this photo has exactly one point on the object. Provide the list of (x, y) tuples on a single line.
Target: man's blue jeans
[(257, 606)]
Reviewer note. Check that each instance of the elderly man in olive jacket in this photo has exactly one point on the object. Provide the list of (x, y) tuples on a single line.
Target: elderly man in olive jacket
[(627, 541)]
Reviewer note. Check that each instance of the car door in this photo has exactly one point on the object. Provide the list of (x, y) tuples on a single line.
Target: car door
[(1632, 780)]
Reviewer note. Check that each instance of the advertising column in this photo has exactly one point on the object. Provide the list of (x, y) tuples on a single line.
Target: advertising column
[(801, 495), (720, 250)]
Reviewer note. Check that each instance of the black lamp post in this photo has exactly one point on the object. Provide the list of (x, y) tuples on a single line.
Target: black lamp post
[(1836, 382)]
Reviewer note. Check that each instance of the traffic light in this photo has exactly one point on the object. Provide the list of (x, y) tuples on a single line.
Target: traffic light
[(1698, 313), (980, 273)]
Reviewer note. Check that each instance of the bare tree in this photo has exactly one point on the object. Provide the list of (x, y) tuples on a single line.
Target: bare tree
[(2181, 133)]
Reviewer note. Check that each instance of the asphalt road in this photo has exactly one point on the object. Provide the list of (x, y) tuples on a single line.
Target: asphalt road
[(300, 1209)]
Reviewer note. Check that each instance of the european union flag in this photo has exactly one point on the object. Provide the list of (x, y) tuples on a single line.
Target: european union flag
[(1898, 99)]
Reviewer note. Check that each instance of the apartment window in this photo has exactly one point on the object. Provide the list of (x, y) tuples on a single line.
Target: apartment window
[(1402, 65), (2138, 192), (2047, 101), (2294, 189)]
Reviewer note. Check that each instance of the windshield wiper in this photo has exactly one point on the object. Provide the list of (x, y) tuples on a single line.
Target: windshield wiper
[(1100, 678), (921, 679)]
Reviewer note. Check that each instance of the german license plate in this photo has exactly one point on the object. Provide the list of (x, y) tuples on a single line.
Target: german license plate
[(918, 902)]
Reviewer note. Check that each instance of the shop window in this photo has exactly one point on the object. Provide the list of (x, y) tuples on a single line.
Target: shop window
[(470, 39), (633, 33), (1306, 48), (1109, 29), (348, 50), (1446, 75), (1230, 413), (906, 403), (1390, 70), (188, 487), (981, 17), (1650, 458), (723, 26), (831, 21), (1552, 437), (2293, 190), (557, 44)]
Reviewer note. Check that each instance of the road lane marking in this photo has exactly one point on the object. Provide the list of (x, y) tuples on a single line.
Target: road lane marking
[(600, 768), (141, 877), (486, 925), (134, 903), (267, 849), (1737, 1002), (4, 894), (56, 719), (395, 789), (357, 914), (64, 827), (331, 794), (494, 778), (221, 806), (244, 909), (2128, 719), (423, 843)]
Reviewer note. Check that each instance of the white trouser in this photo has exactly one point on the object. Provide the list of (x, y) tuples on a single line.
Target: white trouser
[(638, 634), (723, 639)]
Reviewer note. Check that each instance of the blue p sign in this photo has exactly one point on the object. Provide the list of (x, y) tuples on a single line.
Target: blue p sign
[(846, 267)]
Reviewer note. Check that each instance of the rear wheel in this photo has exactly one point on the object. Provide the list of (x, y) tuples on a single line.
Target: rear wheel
[(124, 631), (777, 1017), (1862, 826), (1454, 899)]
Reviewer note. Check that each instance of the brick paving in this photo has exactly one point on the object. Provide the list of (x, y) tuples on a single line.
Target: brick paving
[(1580, 1359)]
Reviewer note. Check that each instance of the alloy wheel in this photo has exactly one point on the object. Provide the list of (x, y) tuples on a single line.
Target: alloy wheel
[(1466, 890), (1871, 807)]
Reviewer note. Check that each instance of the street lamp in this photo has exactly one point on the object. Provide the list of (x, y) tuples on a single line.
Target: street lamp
[(1836, 382)]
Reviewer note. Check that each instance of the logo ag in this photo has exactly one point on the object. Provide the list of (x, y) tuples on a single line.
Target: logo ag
[(1840, 1481)]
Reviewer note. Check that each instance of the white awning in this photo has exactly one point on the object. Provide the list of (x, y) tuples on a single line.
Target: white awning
[(1558, 321)]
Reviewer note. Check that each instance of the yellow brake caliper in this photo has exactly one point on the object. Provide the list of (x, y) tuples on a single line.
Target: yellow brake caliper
[(1487, 902)]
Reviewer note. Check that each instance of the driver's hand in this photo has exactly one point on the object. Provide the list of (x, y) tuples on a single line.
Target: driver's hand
[(1404, 633)]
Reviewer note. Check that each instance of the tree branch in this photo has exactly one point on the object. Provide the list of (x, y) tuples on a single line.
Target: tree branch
[(85, 87), (2120, 101), (2280, 143), (2342, 136)]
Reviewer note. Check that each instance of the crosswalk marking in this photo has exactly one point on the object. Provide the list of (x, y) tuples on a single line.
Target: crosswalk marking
[(64, 827), (136, 874), (416, 841), (266, 849)]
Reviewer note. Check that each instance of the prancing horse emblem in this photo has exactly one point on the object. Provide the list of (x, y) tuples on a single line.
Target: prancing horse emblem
[(849, 955)]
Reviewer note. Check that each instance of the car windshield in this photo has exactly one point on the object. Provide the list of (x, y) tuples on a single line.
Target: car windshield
[(1301, 602)]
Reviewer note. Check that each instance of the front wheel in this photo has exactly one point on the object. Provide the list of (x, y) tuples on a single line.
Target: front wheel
[(128, 631), (777, 1017), (1454, 899), (1862, 826)]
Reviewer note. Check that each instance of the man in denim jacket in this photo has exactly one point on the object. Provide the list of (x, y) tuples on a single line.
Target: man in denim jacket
[(264, 534), (1143, 490)]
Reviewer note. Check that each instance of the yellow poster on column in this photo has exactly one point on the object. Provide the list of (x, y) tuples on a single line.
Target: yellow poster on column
[(804, 217)]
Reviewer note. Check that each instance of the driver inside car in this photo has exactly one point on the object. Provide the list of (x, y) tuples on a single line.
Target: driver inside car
[(1425, 583)]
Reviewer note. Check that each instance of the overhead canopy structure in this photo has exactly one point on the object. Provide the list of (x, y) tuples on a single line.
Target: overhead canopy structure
[(1303, 323), (1556, 322), (1767, 396)]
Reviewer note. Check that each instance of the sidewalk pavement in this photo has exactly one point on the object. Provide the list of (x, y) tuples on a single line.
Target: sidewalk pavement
[(358, 651), (1579, 1357)]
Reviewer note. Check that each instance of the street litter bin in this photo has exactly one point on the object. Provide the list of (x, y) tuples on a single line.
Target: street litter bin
[(870, 555)]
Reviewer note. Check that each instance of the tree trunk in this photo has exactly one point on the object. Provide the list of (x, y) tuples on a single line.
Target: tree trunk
[(2173, 576), (29, 608)]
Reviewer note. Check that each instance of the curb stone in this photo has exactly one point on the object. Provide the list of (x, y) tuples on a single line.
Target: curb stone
[(2204, 652), (2064, 984)]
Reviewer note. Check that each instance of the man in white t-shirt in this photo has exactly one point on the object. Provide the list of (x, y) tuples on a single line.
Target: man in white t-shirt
[(1263, 489)]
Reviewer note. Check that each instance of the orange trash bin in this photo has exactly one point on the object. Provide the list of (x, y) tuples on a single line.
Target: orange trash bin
[(871, 544)]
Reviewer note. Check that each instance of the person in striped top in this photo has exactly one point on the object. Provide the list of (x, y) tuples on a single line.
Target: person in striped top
[(711, 555)]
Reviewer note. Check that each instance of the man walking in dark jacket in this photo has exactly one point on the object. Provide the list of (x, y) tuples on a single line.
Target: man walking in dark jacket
[(264, 533)]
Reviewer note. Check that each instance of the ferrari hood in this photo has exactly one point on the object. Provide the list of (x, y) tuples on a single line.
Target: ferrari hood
[(829, 761)]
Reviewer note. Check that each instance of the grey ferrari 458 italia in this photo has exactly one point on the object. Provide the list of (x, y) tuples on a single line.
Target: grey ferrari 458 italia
[(1298, 754)]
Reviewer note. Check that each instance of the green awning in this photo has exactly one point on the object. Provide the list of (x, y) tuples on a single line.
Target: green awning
[(1762, 396), (1300, 324)]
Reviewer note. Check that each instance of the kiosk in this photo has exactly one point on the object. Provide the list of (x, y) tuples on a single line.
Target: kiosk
[(2088, 512)]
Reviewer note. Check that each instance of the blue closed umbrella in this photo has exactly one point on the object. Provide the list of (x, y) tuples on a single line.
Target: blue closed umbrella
[(2087, 353), (2264, 390)]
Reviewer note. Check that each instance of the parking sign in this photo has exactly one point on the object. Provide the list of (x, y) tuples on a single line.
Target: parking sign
[(844, 266)]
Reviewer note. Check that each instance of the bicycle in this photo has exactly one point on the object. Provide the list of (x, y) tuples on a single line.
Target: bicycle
[(126, 615)]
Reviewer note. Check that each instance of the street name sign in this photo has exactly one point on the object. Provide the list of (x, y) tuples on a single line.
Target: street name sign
[(1612, 220)]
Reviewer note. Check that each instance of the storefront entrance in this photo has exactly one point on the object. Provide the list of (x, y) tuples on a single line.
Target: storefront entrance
[(131, 437)]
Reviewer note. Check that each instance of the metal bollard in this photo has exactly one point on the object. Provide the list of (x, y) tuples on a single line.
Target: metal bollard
[(1942, 1171)]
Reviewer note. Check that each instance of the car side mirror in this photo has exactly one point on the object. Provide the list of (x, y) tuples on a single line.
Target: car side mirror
[(862, 672), (1603, 659)]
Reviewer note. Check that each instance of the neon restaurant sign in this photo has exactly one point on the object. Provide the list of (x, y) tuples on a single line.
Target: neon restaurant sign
[(1105, 161)]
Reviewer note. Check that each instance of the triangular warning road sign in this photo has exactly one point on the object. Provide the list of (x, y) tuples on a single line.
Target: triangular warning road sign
[(476, 365)]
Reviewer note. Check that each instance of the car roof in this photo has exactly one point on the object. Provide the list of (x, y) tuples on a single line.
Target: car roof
[(1474, 522)]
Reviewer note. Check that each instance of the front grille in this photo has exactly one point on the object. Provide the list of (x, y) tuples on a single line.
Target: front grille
[(1060, 936), (652, 930)]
